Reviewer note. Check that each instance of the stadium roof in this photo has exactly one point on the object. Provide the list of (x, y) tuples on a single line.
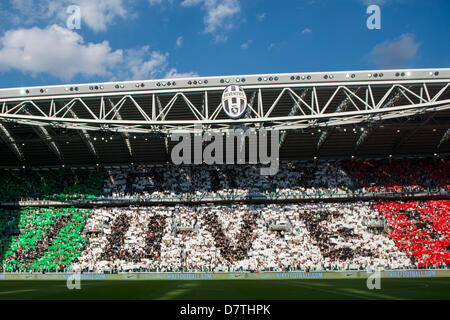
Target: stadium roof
[(323, 115)]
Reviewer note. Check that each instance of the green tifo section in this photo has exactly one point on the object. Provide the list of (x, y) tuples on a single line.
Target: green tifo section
[(51, 184), (50, 239), (352, 289)]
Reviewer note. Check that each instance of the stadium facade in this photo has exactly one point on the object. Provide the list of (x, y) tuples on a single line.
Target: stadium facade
[(359, 208), (326, 115)]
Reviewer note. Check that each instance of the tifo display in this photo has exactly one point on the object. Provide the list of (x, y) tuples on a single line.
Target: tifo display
[(214, 237)]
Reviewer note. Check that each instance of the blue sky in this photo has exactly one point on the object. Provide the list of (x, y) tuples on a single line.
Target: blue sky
[(145, 39)]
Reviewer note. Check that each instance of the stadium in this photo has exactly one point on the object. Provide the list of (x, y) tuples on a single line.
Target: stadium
[(89, 188)]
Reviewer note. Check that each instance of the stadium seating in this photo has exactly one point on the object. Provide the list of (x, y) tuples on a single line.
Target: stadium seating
[(49, 239), (294, 176), (44, 184), (421, 229), (345, 177), (232, 237), (318, 236), (400, 175)]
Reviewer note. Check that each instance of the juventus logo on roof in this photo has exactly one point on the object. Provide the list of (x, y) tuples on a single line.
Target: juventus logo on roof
[(234, 101)]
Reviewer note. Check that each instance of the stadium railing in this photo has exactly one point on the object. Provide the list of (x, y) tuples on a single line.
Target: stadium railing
[(202, 198)]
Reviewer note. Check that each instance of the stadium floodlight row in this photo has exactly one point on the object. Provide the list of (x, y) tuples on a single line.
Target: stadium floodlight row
[(322, 103)]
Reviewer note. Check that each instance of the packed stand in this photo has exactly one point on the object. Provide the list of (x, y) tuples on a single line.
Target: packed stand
[(48, 239), (294, 179), (50, 184), (421, 229), (254, 238), (322, 236), (408, 175)]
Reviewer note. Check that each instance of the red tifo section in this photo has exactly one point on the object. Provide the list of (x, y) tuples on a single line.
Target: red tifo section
[(421, 229)]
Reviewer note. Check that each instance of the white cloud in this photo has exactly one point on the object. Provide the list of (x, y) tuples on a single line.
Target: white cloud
[(26, 12), (97, 15), (221, 15), (276, 45), (101, 13), (156, 2), (306, 31), (141, 63), (395, 53), (179, 41), (246, 44), (370, 2), (57, 51), (64, 54), (188, 3), (172, 73)]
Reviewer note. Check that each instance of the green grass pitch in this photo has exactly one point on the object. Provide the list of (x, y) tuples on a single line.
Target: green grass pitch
[(353, 289)]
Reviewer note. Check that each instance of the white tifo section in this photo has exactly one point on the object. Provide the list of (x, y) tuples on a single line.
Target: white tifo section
[(197, 250), (350, 216), (215, 180)]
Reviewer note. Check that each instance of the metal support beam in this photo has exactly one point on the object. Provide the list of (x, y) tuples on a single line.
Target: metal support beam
[(46, 138), (314, 113), (362, 138), (6, 136), (125, 135), (444, 138), (408, 135), (166, 139), (341, 108), (86, 138), (294, 110), (372, 125)]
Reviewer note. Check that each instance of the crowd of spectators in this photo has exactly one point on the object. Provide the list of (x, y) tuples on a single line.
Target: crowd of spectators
[(236, 237), (407, 175), (62, 183), (422, 229), (42, 239), (315, 236), (293, 178), (224, 180)]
